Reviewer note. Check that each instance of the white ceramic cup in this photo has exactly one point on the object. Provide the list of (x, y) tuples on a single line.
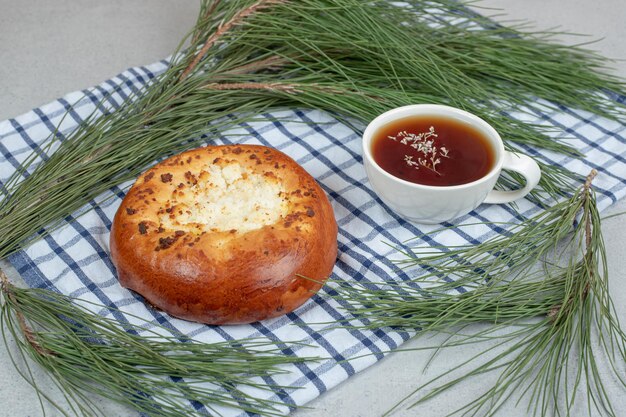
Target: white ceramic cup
[(435, 204)]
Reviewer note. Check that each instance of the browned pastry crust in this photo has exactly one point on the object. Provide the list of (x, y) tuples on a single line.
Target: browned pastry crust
[(225, 257)]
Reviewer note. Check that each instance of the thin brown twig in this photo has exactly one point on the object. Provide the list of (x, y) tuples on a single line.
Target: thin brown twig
[(5, 284), (208, 13), (588, 226), (590, 179), (223, 28), (283, 87), (557, 310), (587, 189), (30, 336), (554, 312), (287, 88)]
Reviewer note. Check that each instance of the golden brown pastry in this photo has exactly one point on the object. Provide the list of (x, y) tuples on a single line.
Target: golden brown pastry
[(220, 235)]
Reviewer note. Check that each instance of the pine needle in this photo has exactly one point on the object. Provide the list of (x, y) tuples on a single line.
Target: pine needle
[(146, 370), (564, 309), (354, 59)]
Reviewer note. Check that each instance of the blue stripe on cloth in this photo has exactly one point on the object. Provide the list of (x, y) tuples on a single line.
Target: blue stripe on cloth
[(74, 258)]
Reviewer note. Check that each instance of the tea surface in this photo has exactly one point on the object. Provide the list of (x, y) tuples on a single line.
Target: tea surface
[(433, 150)]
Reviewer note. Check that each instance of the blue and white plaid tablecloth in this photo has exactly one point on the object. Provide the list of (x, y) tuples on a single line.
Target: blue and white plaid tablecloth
[(74, 259)]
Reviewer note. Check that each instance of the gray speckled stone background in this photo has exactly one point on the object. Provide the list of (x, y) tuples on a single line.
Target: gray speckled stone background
[(49, 48)]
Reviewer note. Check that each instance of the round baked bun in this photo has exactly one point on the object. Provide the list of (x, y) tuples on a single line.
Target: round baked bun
[(221, 235)]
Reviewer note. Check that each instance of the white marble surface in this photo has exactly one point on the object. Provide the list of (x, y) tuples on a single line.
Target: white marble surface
[(48, 48)]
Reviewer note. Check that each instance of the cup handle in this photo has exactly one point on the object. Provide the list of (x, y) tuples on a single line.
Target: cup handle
[(521, 164)]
